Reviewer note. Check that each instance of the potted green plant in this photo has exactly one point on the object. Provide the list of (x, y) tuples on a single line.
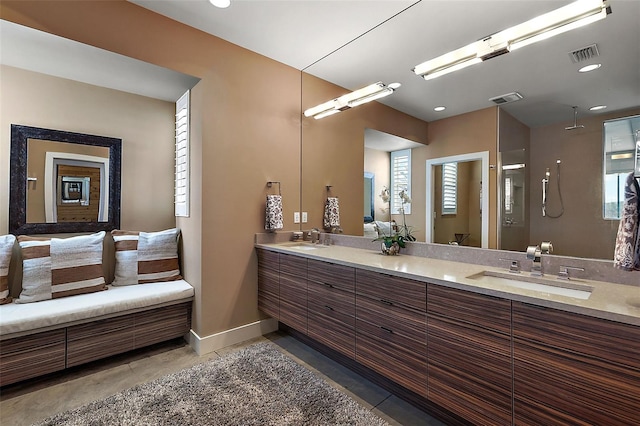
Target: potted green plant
[(390, 244)]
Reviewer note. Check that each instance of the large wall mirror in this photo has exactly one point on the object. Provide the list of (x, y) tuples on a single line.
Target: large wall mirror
[(546, 128), (63, 181)]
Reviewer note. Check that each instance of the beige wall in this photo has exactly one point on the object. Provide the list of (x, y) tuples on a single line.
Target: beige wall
[(379, 163), (333, 151), (145, 126), (581, 231), (248, 132)]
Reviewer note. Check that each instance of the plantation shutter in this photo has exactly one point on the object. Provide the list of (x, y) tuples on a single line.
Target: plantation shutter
[(181, 190), (449, 188), (400, 179)]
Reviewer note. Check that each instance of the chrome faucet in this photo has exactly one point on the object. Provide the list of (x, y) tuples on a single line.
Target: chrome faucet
[(535, 255), (314, 234), (514, 267), (564, 272)]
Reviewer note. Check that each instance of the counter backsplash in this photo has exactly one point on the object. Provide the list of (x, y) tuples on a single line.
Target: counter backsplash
[(594, 269)]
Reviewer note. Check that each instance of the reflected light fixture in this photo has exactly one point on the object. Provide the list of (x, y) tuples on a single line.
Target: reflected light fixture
[(566, 18), (513, 166), (220, 3), (591, 67), (358, 97), (597, 107), (439, 108)]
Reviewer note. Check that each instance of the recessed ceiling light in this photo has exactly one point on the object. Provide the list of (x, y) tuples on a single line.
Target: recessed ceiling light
[(590, 68), (439, 108), (597, 107), (220, 3)]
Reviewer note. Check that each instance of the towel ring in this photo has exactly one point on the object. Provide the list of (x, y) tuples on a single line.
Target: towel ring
[(270, 184)]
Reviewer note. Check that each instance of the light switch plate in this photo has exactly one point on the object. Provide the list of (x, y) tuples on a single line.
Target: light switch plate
[(304, 217), (296, 217)]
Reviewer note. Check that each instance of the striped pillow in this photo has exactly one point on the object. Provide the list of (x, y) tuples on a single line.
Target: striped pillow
[(59, 267), (146, 257), (6, 247)]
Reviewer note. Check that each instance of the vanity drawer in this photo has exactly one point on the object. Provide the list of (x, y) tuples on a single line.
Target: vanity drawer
[(393, 355), (330, 274), (269, 292), (294, 265), (608, 340), (489, 312), (404, 322), (392, 290), (268, 260), (341, 304), (333, 329)]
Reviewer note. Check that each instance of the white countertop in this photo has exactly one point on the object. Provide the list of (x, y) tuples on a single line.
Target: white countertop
[(617, 302)]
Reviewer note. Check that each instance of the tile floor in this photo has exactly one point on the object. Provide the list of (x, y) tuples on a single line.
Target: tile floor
[(28, 402)]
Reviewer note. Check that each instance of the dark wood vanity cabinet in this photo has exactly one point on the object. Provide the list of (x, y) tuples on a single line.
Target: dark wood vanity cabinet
[(487, 360), (293, 292), (331, 305), (469, 354), (269, 282), (574, 369), (391, 328)]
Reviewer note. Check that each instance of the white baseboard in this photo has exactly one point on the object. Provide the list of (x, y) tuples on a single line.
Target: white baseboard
[(207, 344)]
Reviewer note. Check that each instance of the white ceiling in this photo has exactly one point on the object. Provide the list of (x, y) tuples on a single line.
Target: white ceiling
[(355, 43)]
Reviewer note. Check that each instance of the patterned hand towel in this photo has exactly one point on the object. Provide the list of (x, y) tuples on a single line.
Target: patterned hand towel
[(274, 219), (331, 213), (627, 251)]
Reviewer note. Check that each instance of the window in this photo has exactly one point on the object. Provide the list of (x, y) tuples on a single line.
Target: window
[(449, 188), (400, 180), (181, 189), (620, 138)]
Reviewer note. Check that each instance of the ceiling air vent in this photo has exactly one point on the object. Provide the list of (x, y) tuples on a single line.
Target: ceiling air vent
[(584, 54), (509, 97)]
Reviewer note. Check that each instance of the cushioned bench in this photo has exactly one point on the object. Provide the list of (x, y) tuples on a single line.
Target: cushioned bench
[(44, 333)]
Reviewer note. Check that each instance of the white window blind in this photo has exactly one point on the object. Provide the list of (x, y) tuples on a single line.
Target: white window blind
[(449, 188), (400, 179), (181, 191)]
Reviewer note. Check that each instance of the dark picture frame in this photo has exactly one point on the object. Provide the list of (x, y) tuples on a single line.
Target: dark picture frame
[(18, 181)]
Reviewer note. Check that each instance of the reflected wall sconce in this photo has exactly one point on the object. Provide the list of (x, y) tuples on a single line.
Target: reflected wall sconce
[(358, 97), (566, 18)]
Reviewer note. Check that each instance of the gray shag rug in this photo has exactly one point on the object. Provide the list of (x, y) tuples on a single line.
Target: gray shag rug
[(257, 385)]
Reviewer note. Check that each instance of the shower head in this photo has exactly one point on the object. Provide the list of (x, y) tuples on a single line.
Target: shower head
[(575, 121)]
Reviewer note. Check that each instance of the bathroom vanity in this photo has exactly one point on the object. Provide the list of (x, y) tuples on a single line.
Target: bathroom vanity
[(458, 338)]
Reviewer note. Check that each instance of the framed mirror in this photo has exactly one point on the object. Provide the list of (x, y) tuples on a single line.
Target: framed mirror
[(63, 181)]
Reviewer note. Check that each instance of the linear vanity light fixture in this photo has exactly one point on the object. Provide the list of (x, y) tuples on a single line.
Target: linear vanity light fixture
[(357, 97), (566, 18)]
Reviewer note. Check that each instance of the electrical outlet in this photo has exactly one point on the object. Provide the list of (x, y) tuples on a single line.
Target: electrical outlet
[(296, 217), (304, 217)]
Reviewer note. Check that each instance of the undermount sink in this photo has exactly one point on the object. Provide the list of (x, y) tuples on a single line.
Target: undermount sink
[(548, 286), (306, 246)]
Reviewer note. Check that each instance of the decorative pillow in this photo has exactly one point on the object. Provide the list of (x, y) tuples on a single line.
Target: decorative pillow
[(59, 267), (146, 257), (6, 247)]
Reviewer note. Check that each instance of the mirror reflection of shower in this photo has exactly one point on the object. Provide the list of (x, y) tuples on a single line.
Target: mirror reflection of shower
[(545, 192)]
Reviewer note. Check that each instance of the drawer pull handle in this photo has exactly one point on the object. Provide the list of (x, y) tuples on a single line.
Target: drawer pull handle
[(328, 307), (388, 330), (386, 302)]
